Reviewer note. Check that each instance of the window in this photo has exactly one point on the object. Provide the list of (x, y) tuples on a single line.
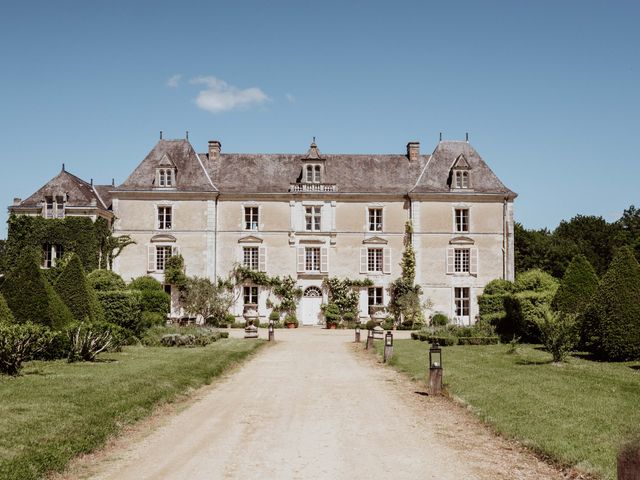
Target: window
[(250, 257), (312, 217), (250, 295), (374, 259), (54, 207), (462, 220), (163, 253), (251, 218), (312, 259), (164, 218), (375, 219), (375, 298), (461, 260), (462, 301), (461, 179), (165, 177), (313, 174), (50, 254)]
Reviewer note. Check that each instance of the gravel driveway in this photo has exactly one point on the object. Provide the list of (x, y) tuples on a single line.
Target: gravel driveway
[(314, 407)]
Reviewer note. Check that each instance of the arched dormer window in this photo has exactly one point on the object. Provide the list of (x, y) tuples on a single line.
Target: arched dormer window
[(166, 173), (313, 174), (461, 174)]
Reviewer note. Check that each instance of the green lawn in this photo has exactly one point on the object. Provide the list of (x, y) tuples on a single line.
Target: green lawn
[(57, 410), (577, 413)]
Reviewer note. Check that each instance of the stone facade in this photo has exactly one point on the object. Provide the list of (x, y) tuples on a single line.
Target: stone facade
[(313, 216)]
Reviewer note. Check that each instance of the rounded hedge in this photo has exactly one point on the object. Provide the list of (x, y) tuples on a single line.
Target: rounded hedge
[(535, 280), (439, 320), (146, 283), (105, 280), (498, 287)]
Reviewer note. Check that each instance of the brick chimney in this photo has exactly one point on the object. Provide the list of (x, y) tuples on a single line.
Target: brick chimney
[(413, 150), (214, 149)]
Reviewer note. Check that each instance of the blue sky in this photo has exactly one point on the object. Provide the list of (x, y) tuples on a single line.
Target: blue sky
[(548, 90)]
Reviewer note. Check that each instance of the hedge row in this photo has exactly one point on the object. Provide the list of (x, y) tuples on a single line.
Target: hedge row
[(451, 340)]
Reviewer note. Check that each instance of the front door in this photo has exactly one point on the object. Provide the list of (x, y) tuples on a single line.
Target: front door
[(311, 302)]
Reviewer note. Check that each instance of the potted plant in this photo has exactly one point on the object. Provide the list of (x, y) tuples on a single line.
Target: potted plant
[(274, 317), (290, 320), (331, 314)]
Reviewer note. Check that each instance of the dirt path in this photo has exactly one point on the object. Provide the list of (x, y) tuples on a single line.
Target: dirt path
[(309, 408)]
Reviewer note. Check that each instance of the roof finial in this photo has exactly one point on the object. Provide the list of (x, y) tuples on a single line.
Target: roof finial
[(440, 136), (63, 168), (160, 134), (113, 182), (467, 137), (92, 182), (187, 134), (314, 140)]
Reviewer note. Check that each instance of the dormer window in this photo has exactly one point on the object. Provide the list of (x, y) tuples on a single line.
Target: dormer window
[(461, 179), (461, 173), (54, 207), (166, 177), (313, 174)]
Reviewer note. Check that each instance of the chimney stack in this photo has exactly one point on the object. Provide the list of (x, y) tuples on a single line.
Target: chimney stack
[(17, 201), (214, 149), (413, 150)]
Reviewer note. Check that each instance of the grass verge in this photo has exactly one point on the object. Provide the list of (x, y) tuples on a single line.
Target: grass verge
[(576, 413), (57, 410)]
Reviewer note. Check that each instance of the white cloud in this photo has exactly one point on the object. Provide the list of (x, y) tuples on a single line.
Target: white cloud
[(174, 81), (219, 96), (290, 98)]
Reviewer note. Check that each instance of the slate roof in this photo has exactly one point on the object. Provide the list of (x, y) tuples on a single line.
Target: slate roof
[(190, 173), (79, 193)]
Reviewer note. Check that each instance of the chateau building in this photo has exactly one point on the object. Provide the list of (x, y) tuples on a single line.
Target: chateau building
[(310, 216)]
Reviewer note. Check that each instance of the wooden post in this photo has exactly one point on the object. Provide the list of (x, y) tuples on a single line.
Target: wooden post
[(388, 353), (357, 337), (369, 342), (435, 381), (629, 463)]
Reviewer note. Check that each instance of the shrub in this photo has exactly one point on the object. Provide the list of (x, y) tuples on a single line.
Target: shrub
[(175, 336), (439, 320), (490, 340), (274, 316), (156, 301), (145, 283), (535, 280), (498, 287), (5, 313), (558, 332), (577, 287), (331, 313), (123, 308), (524, 309), (291, 318), (88, 339), (152, 319), (612, 321), (30, 296), (490, 304), (75, 292), (371, 324), (443, 341), (19, 343), (105, 280)]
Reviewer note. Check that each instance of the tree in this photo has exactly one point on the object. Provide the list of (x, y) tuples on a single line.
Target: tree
[(30, 296), (558, 332), (76, 293), (109, 246), (612, 321), (577, 287), (203, 297)]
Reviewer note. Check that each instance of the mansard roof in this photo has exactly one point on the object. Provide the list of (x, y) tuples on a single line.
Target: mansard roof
[(190, 176), (449, 154), (78, 193)]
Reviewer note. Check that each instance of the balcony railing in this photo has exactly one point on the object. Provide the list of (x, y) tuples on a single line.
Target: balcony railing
[(312, 187)]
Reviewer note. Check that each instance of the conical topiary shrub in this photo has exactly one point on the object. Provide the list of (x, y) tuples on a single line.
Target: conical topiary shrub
[(6, 316), (612, 321), (76, 293), (30, 296), (577, 287)]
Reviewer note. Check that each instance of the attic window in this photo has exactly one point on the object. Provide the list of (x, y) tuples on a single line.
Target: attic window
[(54, 207), (312, 174), (461, 173), (166, 177), (461, 179)]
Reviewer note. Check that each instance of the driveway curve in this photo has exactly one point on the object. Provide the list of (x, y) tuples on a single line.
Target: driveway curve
[(309, 407)]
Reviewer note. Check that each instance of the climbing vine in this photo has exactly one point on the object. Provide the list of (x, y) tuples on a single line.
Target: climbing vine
[(285, 289), (344, 294)]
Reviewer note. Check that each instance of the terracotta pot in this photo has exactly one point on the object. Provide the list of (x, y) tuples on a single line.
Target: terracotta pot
[(291, 325), (332, 326)]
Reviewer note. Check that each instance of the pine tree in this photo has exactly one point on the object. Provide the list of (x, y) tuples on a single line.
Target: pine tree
[(30, 296), (612, 321), (577, 288), (76, 293)]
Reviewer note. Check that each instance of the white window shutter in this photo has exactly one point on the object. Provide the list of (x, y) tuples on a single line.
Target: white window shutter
[(450, 260), (151, 258), (364, 267), (301, 259), (324, 259), (473, 263), (175, 250), (262, 259), (386, 260)]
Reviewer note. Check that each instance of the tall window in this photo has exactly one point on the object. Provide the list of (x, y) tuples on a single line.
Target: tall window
[(312, 216), (251, 218), (461, 179), (165, 177), (312, 259), (313, 174), (375, 297), (462, 301), (374, 259), (250, 295), (250, 257), (375, 219), (163, 253), (164, 218), (461, 260), (51, 254), (462, 220)]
